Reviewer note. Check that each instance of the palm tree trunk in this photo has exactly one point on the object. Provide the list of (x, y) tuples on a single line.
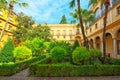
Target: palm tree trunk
[(104, 32), (7, 20), (81, 23)]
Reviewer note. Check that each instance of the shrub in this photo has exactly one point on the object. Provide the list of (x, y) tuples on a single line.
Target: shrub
[(95, 53), (36, 45), (76, 44), (68, 70), (21, 53), (80, 55), (57, 54), (6, 54), (7, 69)]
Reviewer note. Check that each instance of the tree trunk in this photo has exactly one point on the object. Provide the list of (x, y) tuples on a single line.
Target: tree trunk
[(81, 23), (104, 30), (7, 20)]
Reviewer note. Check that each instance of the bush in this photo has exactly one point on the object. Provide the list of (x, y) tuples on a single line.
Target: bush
[(6, 54), (76, 44), (68, 70), (80, 55), (36, 45), (57, 54), (7, 69), (21, 53), (95, 53)]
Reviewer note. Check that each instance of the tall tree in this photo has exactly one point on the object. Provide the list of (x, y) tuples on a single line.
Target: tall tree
[(3, 4), (23, 26), (41, 32), (72, 4), (87, 16), (63, 20), (106, 3)]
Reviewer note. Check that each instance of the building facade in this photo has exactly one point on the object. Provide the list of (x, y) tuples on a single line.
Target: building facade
[(94, 31), (11, 25)]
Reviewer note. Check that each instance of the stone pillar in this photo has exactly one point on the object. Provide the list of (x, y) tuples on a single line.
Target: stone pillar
[(115, 47), (94, 44)]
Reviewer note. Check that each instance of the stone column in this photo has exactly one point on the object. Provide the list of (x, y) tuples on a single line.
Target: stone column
[(115, 47)]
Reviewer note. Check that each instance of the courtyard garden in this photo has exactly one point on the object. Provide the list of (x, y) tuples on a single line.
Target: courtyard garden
[(55, 58)]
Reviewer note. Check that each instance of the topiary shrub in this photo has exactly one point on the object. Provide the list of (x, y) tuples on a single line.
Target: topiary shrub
[(6, 54), (76, 44), (22, 53), (80, 55), (57, 54)]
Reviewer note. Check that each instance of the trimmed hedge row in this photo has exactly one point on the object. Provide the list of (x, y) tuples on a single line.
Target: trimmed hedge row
[(61, 70), (10, 69)]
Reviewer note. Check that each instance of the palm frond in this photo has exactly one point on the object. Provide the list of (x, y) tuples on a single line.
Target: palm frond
[(72, 4)]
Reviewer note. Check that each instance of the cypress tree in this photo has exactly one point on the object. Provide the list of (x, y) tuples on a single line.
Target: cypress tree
[(6, 54), (63, 20)]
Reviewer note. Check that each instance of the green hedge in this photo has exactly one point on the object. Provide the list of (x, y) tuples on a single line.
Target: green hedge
[(67, 70), (8, 69)]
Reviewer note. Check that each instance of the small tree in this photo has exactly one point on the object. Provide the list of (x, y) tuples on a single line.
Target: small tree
[(63, 20), (6, 54), (36, 45), (80, 55), (57, 54), (76, 44), (22, 53)]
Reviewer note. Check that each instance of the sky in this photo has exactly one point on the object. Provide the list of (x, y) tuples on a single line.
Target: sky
[(48, 11)]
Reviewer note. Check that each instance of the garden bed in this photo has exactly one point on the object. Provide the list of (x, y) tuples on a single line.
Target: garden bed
[(7, 69), (44, 69), (68, 70)]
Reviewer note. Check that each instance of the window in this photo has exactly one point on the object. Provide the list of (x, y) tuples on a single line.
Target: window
[(118, 10), (64, 33), (70, 34), (11, 19), (97, 13), (90, 30), (58, 33), (10, 27), (1, 13), (52, 32), (0, 23), (96, 26), (118, 46)]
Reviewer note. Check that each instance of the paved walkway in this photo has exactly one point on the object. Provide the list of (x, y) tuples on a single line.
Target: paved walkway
[(24, 75)]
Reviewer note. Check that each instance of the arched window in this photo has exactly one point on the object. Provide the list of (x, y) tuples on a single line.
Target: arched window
[(97, 13)]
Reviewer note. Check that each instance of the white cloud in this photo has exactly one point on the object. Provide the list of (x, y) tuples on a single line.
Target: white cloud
[(47, 11)]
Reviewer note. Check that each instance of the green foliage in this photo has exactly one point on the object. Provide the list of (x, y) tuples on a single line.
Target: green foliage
[(63, 20), (63, 44), (95, 53), (7, 69), (22, 53), (76, 44), (57, 54), (68, 70), (6, 54), (40, 31), (24, 25), (80, 55), (36, 45)]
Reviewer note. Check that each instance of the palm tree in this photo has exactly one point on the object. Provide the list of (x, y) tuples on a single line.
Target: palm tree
[(87, 16), (106, 3), (72, 4), (3, 4)]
